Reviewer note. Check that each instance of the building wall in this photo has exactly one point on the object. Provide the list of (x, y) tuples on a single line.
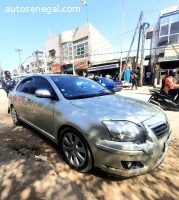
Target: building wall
[(99, 45), (82, 42), (50, 45), (65, 38), (168, 31), (165, 37)]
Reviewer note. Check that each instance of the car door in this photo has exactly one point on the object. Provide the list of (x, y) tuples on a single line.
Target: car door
[(21, 98), (42, 109)]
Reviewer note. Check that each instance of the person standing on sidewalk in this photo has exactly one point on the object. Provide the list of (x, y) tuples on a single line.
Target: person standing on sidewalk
[(8, 84)]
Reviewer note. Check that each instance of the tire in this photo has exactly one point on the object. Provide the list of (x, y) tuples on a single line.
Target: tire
[(15, 117), (75, 150)]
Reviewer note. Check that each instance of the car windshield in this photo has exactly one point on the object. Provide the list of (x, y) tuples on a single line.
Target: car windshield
[(74, 87)]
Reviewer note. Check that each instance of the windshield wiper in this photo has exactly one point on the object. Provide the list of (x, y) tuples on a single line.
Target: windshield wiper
[(83, 96)]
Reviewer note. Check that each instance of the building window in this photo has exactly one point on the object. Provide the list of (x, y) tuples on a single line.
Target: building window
[(80, 51), (80, 48), (77, 49), (52, 53), (173, 39), (169, 29), (66, 51), (164, 30), (174, 28), (163, 41)]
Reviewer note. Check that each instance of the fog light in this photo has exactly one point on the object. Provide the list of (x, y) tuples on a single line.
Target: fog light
[(131, 164), (127, 164)]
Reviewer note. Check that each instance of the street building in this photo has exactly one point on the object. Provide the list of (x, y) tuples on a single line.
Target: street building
[(75, 51), (164, 48)]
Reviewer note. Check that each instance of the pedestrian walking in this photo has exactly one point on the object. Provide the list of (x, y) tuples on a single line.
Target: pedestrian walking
[(8, 84), (148, 74), (134, 79)]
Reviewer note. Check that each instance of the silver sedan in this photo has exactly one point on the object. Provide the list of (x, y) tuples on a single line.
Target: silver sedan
[(93, 126)]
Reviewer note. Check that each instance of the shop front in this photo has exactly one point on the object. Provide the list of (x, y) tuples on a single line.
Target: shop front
[(56, 68), (111, 69), (81, 66), (68, 69)]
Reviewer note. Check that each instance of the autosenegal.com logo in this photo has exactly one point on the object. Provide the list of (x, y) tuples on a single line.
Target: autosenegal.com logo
[(47, 10)]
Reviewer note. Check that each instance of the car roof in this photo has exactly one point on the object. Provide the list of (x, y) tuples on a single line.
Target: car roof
[(48, 75)]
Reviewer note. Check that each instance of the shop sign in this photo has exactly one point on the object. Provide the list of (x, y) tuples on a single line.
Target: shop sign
[(81, 64), (56, 68)]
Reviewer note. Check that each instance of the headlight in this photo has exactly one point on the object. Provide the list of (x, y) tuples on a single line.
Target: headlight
[(124, 131)]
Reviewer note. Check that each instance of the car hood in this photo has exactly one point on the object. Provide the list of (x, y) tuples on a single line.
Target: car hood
[(116, 107)]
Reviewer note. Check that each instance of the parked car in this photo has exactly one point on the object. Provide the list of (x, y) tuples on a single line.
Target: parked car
[(114, 86), (93, 126)]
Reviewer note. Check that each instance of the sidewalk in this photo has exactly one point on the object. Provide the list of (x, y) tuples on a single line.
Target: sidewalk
[(142, 93), (143, 89)]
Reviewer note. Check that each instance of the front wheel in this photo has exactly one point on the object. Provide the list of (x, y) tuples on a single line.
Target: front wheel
[(75, 150), (15, 117)]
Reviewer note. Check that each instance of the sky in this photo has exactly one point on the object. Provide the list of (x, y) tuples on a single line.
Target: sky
[(24, 27)]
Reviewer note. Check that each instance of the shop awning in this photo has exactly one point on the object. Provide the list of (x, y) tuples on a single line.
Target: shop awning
[(169, 64), (102, 67), (148, 57)]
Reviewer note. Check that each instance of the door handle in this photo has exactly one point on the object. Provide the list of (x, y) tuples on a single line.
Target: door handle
[(28, 100)]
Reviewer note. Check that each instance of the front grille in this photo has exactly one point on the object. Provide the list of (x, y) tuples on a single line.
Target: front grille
[(160, 130)]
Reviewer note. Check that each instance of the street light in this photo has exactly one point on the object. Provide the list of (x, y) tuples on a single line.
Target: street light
[(122, 39), (19, 52)]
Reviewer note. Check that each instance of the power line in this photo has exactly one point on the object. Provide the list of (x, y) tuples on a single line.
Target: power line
[(150, 10), (7, 45)]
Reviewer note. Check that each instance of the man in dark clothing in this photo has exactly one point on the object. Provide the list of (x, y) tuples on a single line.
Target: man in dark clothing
[(8, 84), (134, 79)]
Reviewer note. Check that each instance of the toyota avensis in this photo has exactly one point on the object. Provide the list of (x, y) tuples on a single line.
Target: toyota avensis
[(93, 126)]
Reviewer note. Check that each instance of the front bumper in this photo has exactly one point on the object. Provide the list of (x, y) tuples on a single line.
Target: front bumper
[(149, 154)]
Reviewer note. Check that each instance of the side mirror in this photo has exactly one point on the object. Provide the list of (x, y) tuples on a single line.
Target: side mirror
[(42, 93)]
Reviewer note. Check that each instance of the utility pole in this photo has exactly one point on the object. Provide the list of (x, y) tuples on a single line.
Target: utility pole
[(133, 38), (143, 28), (120, 67), (132, 43), (19, 52), (84, 3), (137, 57)]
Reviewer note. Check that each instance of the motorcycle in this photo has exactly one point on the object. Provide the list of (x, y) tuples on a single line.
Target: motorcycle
[(165, 101)]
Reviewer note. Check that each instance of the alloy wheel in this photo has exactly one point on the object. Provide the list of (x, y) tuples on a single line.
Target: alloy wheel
[(74, 150), (14, 115)]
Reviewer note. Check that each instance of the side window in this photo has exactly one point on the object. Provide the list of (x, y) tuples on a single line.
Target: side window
[(25, 86), (41, 83)]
